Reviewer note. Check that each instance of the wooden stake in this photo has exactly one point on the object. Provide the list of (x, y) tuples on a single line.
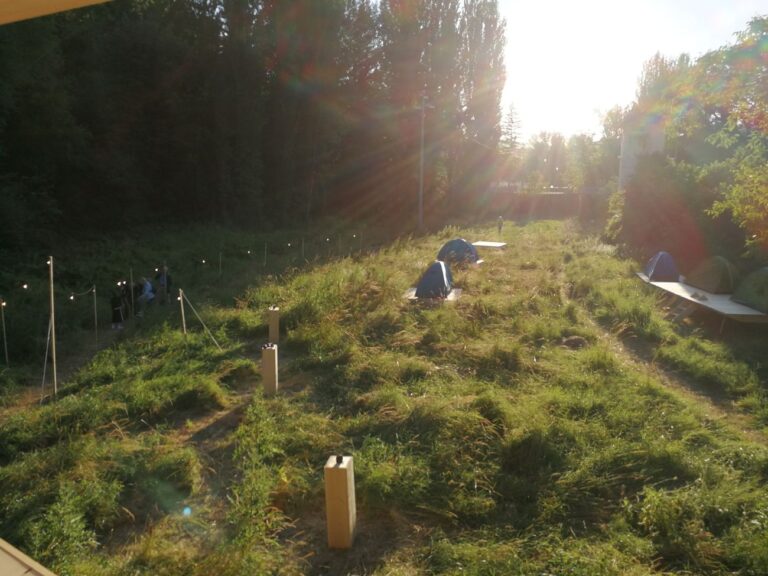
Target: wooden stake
[(95, 316), (133, 304), (5, 339), (269, 369), (219, 263), (166, 294), (183, 318), (53, 328), (265, 254), (340, 507), (273, 317)]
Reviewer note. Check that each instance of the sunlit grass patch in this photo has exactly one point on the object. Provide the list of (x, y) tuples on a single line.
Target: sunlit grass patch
[(710, 363), (506, 432), (617, 298)]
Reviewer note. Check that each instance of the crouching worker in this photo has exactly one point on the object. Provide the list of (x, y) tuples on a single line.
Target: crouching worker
[(163, 281), (146, 297)]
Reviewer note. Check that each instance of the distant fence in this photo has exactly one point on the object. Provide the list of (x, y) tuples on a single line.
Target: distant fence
[(541, 205)]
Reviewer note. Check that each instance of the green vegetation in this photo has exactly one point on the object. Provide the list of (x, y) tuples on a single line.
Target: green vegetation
[(705, 193), (614, 296), (256, 113), (506, 433)]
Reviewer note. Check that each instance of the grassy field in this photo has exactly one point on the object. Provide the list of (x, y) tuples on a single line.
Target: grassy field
[(553, 421)]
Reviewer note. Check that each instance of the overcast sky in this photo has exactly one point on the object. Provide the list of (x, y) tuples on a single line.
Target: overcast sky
[(568, 62)]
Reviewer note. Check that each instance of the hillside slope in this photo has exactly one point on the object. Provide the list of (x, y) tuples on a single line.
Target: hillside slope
[(510, 432)]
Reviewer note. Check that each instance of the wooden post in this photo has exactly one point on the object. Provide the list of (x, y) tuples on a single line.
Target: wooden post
[(219, 263), (269, 369), (166, 294), (133, 304), (53, 327), (273, 317), (95, 316), (265, 254), (183, 318), (302, 250), (5, 339), (340, 508)]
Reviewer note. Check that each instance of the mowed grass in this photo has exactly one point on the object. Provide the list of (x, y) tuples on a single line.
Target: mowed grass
[(502, 434), (731, 366)]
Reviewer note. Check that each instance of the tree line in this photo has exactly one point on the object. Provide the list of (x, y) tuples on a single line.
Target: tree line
[(707, 193), (245, 111)]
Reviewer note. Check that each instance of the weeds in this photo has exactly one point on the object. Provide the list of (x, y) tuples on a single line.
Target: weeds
[(502, 434)]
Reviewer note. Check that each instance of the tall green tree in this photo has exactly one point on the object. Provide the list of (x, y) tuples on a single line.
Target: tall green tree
[(483, 76)]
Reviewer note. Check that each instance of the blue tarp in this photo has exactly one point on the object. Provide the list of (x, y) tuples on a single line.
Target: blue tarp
[(662, 268), (459, 251), (436, 282)]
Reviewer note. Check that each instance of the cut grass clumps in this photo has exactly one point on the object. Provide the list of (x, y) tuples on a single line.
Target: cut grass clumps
[(366, 371), (84, 481), (390, 475), (90, 410), (169, 475), (239, 374), (97, 483), (154, 379), (491, 553), (600, 358), (257, 454), (61, 535), (618, 299), (500, 434), (711, 364), (501, 361), (496, 409), (609, 289), (160, 396), (474, 558), (675, 522), (386, 401)]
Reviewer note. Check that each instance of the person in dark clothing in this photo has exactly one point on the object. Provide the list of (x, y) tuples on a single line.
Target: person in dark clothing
[(163, 282), (117, 305)]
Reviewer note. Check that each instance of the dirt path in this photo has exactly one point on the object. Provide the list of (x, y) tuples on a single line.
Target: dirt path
[(715, 406)]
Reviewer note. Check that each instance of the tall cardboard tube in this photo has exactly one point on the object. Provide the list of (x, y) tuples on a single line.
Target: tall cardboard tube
[(340, 507), (269, 369), (274, 324)]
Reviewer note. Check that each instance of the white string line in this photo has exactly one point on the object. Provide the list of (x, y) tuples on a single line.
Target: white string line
[(201, 322), (89, 291), (45, 362)]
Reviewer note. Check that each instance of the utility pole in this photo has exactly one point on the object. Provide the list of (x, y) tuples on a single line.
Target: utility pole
[(421, 165), (53, 327)]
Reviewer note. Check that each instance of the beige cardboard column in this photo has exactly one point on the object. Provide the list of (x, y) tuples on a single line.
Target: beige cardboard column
[(340, 509), (269, 369), (274, 324)]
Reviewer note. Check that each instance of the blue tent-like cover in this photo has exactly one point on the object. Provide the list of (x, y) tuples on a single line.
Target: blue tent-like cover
[(436, 282), (662, 268), (458, 250)]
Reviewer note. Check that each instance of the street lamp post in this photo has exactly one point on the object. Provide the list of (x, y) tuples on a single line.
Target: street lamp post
[(421, 165)]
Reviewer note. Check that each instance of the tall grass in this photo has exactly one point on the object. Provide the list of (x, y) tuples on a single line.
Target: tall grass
[(500, 434), (610, 290)]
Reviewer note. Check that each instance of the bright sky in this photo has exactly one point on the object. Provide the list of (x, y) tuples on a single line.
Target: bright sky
[(568, 62)]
